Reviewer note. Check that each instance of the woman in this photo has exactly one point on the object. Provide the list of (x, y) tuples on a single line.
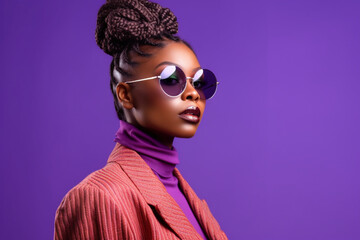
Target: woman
[(159, 93)]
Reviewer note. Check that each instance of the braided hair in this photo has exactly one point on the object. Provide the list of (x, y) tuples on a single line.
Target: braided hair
[(124, 26)]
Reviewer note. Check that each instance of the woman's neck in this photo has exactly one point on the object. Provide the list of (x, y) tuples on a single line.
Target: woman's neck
[(164, 139)]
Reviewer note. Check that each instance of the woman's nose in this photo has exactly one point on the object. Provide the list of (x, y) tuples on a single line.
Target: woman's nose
[(190, 92)]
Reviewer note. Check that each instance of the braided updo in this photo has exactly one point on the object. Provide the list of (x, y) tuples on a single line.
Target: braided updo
[(125, 25), (121, 21)]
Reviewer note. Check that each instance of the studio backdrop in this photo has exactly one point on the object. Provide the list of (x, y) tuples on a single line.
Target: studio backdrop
[(276, 156)]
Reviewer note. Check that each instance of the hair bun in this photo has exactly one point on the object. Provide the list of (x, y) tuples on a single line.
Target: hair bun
[(121, 21)]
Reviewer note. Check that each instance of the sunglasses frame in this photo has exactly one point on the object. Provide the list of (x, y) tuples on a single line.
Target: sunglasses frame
[(159, 77)]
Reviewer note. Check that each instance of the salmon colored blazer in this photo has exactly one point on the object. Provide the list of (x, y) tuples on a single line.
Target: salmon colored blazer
[(126, 200)]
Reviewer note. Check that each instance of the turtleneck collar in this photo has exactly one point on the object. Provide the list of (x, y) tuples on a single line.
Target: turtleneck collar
[(159, 157)]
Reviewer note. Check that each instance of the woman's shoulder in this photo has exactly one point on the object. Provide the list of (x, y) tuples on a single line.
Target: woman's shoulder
[(108, 182), (97, 206)]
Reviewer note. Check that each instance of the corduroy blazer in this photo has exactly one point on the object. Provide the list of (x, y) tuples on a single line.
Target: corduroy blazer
[(126, 200)]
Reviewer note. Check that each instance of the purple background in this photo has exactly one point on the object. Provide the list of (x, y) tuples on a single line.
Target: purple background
[(276, 156)]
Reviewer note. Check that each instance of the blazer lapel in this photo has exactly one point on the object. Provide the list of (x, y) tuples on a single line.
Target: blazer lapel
[(154, 191), (200, 209)]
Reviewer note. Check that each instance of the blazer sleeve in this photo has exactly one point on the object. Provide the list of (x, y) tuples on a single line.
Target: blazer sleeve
[(90, 213)]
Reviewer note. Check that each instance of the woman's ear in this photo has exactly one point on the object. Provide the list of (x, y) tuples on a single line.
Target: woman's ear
[(124, 95)]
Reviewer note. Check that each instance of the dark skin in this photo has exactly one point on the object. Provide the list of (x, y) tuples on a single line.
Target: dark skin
[(146, 105)]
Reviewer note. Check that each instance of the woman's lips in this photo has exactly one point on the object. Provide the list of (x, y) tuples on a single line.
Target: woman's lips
[(191, 114)]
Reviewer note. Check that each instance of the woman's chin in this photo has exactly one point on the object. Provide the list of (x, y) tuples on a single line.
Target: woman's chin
[(186, 133), (186, 136)]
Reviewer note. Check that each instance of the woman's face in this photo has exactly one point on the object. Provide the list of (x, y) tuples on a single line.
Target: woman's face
[(152, 110)]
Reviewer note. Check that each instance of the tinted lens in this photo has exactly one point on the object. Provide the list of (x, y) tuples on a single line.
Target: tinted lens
[(205, 83), (173, 80)]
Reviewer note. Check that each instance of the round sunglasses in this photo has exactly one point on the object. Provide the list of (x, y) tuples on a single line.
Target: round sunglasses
[(173, 82)]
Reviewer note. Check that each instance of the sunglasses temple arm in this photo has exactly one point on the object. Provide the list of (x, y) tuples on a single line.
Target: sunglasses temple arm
[(143, 79)]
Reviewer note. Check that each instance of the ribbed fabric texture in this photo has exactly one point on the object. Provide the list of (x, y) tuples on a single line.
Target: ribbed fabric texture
[(125, 200)]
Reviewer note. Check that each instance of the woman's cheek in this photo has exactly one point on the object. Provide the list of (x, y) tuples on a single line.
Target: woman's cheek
[(145, 96), (150, 106)]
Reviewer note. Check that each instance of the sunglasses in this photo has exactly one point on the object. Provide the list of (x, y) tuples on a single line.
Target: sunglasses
[(173, 82)]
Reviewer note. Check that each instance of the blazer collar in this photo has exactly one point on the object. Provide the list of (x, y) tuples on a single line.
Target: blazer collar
[(155, 194)]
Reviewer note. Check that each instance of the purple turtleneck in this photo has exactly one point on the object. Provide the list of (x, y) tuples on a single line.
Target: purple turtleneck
[(161, 160)]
